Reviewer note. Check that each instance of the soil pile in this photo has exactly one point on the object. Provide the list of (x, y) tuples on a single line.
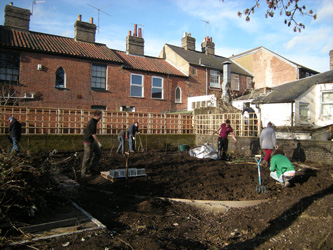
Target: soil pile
[(297, 217)]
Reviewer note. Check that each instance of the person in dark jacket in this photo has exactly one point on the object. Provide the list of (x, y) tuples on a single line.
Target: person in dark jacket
[(15, 134), (92, 146), (133, 129), (121, 140)]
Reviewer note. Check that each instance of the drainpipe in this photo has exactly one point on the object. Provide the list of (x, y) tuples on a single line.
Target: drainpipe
[(259, 118), (292, 114), (206, 81), (168, 94)]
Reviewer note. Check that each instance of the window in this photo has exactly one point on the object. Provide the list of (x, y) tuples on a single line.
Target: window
[(9, 68), (303, 112), (178, 98), (249, 83), (157, 87), (60, 78), (234, 82), (327, 103), (214, 79), (98, 77), (136, 85)]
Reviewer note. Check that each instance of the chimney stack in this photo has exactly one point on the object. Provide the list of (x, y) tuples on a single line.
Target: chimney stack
[(188, 42), (331, 59), (207, 46), (135, 43), (83, 31), (226, 81), (17, 18)]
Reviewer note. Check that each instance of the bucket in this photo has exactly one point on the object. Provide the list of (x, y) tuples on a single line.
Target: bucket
[(182, 147)]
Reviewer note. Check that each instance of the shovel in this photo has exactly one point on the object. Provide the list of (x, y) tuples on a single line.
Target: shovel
[(260, 188)]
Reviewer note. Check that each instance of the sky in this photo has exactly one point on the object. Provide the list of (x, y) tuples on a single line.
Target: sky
[(166, 21)]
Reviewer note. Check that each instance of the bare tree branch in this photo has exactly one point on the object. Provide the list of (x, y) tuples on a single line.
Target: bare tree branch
[(288, 8)]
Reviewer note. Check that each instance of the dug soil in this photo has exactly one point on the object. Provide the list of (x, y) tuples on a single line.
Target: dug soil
[(137, 214)]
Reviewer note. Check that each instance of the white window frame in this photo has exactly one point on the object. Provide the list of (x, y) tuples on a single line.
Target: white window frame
[(304, 111), (234, 85), (157, 88), (180, 95), (136, 85), (99, 76), (328, 103), (58, 86), (215, 77)]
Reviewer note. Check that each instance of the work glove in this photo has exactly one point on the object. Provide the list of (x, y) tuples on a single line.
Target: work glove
[(100, 145), (133, 138), (235, 141), (276, 147)]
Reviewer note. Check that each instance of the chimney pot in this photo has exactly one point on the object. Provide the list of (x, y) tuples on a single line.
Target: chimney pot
[(11, 3), (129, 33), (140, 35), (91, 20), (79, 18), (135, 30)]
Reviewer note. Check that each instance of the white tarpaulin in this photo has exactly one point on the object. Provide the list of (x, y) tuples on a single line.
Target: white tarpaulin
[(205, 151)]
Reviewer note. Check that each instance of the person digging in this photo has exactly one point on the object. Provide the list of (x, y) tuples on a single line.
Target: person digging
[(225, 129), (281, 168)]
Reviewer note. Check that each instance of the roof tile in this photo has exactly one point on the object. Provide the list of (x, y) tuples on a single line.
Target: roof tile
[(11, 38), (146, 63)]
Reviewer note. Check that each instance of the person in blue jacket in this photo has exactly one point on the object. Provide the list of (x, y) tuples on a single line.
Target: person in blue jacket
[(133, 129)]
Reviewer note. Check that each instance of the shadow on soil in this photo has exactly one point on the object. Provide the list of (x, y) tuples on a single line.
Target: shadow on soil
[(282, 222)]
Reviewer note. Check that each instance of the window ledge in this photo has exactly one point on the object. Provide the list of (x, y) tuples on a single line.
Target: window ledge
[(139, 97), (158, 99), (99, 90), (61, 88)]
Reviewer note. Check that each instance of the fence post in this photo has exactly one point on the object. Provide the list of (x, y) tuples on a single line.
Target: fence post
[(27, 124), (149, 122)]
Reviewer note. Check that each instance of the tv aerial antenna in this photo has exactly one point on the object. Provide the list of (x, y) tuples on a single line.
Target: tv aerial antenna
[(32, 5), (207, 24), (99, 10)]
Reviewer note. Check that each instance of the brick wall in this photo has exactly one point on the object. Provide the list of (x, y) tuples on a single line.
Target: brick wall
[(78, 93), (270, 70)]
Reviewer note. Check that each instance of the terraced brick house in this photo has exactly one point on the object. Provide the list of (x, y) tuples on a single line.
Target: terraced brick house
[(207, 73), (44, 70)]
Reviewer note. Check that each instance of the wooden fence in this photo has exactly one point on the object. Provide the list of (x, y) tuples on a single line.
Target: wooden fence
[(73, 121), (209, 123)]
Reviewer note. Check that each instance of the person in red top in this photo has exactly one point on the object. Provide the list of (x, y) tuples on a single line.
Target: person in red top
[(225, 129)]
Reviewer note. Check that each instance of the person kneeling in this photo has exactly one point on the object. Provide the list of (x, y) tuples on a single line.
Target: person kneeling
[(281, 168)]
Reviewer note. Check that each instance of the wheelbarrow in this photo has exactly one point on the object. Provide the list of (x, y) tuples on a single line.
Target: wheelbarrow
[(260, 189)]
